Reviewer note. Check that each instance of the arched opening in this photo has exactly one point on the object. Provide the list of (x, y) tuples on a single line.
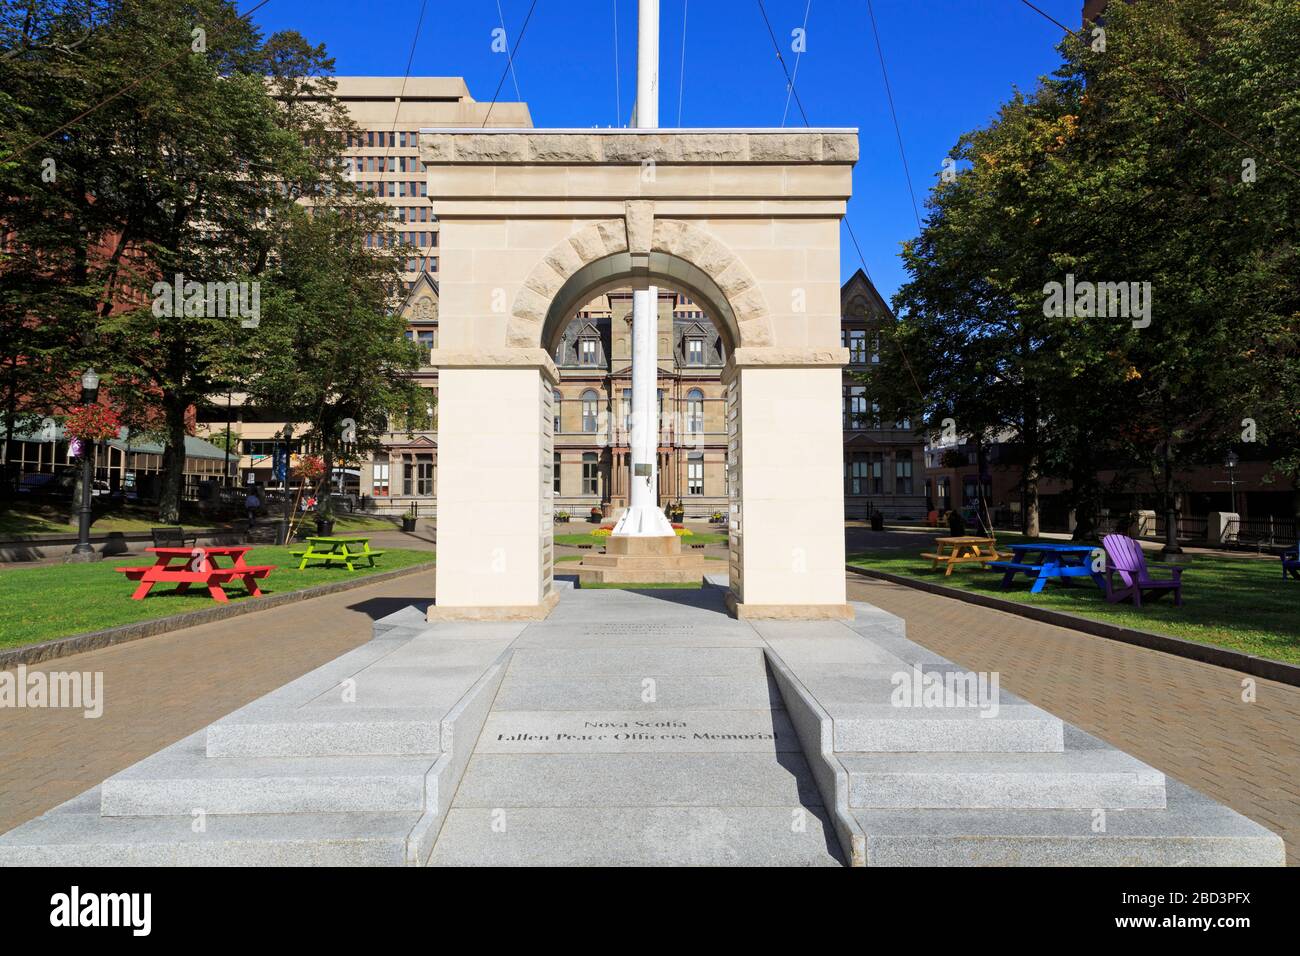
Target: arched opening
[(592, 351), (619, 271)]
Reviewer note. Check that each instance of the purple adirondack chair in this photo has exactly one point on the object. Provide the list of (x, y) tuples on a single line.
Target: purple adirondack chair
[(1124, 557)]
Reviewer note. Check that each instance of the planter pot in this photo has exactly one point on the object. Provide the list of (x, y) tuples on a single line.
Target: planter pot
[(877, 521), (324, 526), (408, 524)]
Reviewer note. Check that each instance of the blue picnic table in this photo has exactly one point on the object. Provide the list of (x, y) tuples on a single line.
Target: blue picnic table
[(1049, 560)]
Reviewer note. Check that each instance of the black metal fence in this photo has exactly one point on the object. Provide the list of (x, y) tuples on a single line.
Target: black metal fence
[(1189, 528)]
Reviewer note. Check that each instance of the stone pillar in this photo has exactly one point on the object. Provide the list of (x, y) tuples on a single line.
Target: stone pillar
[(495, 507), (1220, 526), (786, 450)]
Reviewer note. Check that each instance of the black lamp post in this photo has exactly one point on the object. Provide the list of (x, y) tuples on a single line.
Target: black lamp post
[(83, 551)]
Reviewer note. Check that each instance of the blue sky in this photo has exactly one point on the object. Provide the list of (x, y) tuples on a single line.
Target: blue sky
[(951, 62)]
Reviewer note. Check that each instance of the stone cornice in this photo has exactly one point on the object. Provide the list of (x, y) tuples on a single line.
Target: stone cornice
[(777, 357), (635, 147), (496, 358)]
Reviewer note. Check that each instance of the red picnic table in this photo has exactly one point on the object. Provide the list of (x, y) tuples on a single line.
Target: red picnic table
[(198, 566)]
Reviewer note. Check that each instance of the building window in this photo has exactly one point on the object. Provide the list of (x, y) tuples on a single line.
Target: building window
[(695, 474), (855, 407), (379, 481), (556, 399), (417, 476), (590, 473), (695, 351), (555, 474), (425, 340), (627, 410), (857, 467), (590, 410), (587, 351), (903, 473), (855, 340), (694, 411)]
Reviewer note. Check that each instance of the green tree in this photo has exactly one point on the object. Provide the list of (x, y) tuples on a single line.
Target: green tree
[(330, 350)]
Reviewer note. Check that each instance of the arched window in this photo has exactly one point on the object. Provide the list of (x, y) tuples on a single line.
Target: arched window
[(590, 410), (694, 411), (556, 399)]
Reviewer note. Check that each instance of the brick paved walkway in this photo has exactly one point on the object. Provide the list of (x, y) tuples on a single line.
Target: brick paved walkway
[(160, 689), (1180, 716)]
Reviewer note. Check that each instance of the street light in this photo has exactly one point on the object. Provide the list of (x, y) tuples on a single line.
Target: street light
[(89, 395)]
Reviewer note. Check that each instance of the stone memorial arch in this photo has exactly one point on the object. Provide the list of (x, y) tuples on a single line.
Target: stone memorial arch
[(533, 224)]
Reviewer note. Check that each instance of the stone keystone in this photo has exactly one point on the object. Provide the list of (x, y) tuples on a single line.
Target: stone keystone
[(640, 225)]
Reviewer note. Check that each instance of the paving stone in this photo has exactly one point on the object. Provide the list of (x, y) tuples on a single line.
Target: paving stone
[(637, 661), (637, 780), (640, 836), (668, 692)]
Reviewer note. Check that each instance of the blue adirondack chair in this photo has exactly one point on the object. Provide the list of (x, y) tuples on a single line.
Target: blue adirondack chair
[(1124, 558), (1291, 563)]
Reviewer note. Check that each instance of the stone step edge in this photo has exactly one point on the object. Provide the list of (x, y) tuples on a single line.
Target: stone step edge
[(815, 731), (459, 733)]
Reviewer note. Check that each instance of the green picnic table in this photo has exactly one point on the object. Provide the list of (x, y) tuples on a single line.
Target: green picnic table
[(348, 551)]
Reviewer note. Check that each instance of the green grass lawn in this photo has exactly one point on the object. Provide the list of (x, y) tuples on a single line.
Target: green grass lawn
[(573, 540), (45, 520), (1238, 603), (44, 602)]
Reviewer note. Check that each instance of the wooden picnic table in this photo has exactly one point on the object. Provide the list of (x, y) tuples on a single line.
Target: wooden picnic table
[(198, 565), (1055, 561), (337, 550), (967, 549)]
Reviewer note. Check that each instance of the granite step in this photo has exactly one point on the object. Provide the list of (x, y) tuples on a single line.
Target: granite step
[(304, 733), (182, 779), (637, 836), (1192, 830), (75, 834), (1087, 779), (1017, 728)]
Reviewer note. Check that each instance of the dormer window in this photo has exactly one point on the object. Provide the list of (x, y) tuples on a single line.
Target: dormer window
[(695, 351), (587, 353)]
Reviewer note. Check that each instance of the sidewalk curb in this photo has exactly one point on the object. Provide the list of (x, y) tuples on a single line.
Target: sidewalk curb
[(93, 640), (1263, 667)]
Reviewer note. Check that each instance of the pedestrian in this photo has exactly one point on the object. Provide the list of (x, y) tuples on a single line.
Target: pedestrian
[(251, 504)]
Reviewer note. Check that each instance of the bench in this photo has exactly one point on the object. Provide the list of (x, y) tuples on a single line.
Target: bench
[(1012, 566), (336, 558), (172, 538)]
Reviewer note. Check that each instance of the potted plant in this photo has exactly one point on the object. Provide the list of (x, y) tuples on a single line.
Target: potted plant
[(877, 521), (717, 518), (562, 517), (325, 518), (675, 512), (596, 516), (409, 519)]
